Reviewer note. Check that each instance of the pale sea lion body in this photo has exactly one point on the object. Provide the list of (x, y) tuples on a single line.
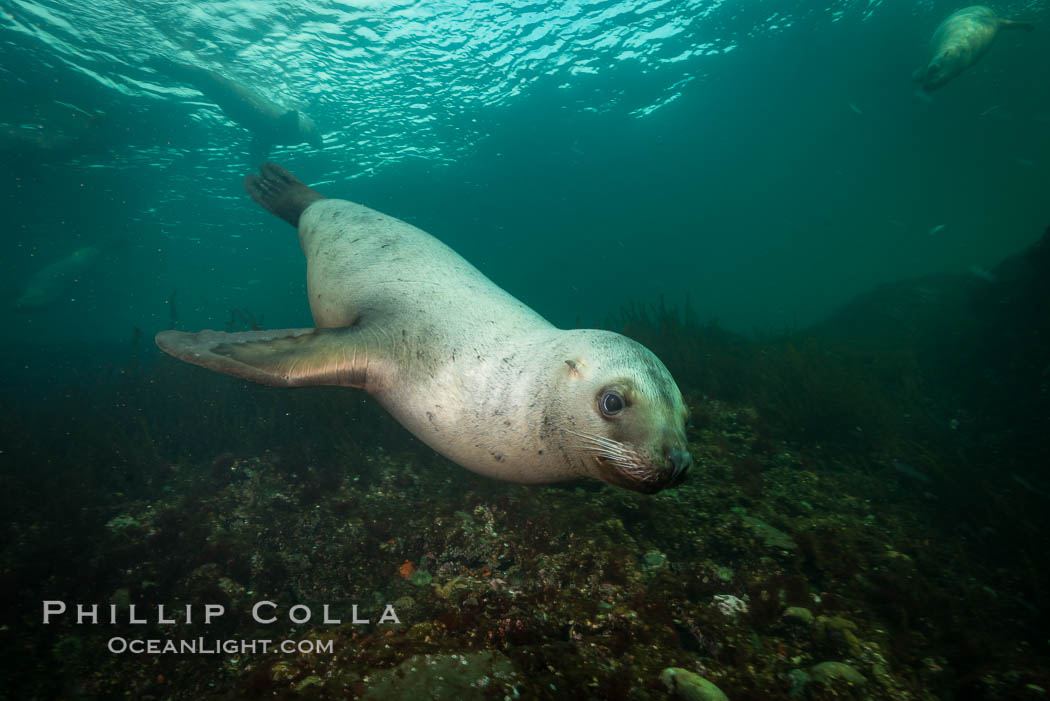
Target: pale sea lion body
[(960, 41), (270, 123), (463, 365)]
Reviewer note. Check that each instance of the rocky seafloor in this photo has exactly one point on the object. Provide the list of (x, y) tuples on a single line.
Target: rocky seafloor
[(829, 544), (819, 582)]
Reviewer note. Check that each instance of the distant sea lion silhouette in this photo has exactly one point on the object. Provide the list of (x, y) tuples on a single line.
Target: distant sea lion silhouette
[(466, 367), (53, 135), (271, 124), (960, 41), (54, 279), (37, 143)]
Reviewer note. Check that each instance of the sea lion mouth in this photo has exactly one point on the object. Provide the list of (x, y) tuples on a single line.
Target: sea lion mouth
[(621, 465), (646, 478)]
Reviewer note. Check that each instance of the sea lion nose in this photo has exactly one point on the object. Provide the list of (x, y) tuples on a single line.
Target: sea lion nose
[(681, 460)]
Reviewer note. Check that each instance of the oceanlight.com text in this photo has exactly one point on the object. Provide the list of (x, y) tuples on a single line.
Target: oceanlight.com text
[(205, 646)]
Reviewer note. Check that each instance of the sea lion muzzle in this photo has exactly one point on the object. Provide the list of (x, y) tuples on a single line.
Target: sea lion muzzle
[(682, 461)]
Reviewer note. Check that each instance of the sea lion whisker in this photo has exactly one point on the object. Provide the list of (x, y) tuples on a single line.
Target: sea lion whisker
[(624, 464), (627, 457), (624, 452), (609, 447), (617, 453), (620, 457), (600, 440), (615, 448)]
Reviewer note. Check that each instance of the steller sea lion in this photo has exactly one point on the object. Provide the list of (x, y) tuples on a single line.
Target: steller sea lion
[(54, 279), (271, 124), (466, 367), (960, 41)]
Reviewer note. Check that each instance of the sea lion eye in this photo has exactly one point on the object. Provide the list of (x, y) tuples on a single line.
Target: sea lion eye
[(611, 403)]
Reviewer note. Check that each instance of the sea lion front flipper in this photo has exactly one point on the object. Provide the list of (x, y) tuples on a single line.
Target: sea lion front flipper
[(283, 357), (1011, 24)]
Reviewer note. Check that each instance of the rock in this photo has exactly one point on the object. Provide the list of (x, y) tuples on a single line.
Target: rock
[(654, 561), (729, 605), (799, 678), (121, 598), (688, 686), (122, 524), (421, 578), (312, 680), (471, 677), (838, 634), (828, 672), (771, 537), (67, 648), (798, 614)]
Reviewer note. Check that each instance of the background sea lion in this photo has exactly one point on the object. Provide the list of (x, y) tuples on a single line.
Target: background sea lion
[(463, 365), (270, 123), (39, 145), (32, 133), (54, 279), (960, 41)]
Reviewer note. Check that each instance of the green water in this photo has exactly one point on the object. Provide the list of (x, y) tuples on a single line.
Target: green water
[(753, 189), (768, 162)]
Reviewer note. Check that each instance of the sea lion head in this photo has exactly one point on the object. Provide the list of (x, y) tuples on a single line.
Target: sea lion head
[(621, 412), (942, 68)]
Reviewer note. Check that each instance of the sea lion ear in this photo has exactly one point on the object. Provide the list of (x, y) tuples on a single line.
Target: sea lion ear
[(574, 367)]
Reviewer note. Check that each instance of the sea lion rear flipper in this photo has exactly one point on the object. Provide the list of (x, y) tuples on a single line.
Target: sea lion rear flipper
[(280, 357), (1010, 24), (280, 193)]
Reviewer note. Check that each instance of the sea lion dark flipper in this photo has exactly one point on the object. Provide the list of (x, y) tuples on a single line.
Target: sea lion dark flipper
[(281, 357), (280, 193)]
